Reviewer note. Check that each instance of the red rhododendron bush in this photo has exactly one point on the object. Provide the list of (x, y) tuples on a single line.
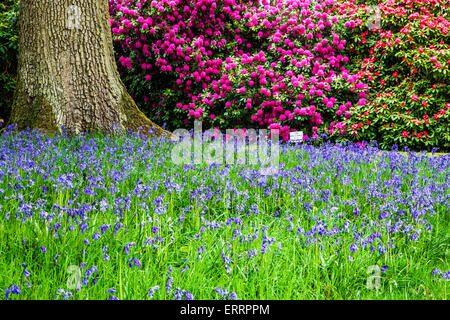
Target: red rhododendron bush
[(404, 56), (231, 63)]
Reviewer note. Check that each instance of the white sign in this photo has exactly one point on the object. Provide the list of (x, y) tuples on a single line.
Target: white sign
[(296, 136)]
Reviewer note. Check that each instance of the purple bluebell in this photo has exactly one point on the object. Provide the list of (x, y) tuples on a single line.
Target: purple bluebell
[(152, 291), (134, 262), (12, 289)]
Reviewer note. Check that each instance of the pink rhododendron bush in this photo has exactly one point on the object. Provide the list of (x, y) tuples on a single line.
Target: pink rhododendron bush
[(245, 64), (404, 56)]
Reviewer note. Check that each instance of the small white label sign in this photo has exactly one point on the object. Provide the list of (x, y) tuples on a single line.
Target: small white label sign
[(296, 136)]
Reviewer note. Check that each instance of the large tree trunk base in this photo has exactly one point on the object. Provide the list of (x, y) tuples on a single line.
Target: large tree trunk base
[(136, 120), (67, 75), (33, 113), (37, 113)]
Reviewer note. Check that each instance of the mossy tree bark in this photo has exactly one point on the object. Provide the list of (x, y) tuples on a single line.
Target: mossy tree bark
[(67, 75)]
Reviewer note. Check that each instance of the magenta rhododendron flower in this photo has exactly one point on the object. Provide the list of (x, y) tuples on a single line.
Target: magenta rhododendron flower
[(202, 59)]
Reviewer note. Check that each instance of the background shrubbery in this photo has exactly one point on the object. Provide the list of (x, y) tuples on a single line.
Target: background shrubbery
[(316, 66), (236, 63), (405, 61), (8, 54)]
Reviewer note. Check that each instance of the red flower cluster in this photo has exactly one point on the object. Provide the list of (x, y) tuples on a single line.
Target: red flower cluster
[(413, 36)]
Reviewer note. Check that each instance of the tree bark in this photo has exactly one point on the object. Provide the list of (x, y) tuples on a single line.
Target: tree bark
[(67, 74)]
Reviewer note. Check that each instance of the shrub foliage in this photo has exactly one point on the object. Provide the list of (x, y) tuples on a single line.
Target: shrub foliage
[(327, 67)]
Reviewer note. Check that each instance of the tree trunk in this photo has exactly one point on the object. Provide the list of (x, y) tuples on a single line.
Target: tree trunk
[(67, 75)]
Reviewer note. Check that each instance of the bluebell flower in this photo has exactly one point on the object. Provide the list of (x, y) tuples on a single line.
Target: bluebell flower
[(104, 227), (233, 296), (66, 294), (186, 268), (188, 295), (83, 227), (169, 280), (127, 247), (152, 290), (435, 271), (353, 247), (177, 294), (134, 262), (111, 290), (384, 215), (12, 289), (221, 291), (26, 273)]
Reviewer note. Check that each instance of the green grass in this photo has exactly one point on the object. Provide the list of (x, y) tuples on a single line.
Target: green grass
[(289, 270)]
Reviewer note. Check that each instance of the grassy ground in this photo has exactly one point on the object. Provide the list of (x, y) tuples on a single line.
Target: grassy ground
[(115, 217)]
